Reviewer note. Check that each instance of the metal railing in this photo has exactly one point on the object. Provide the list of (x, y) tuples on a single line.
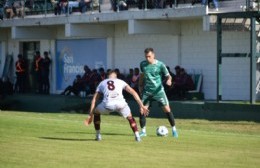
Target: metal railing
[(35, 7)]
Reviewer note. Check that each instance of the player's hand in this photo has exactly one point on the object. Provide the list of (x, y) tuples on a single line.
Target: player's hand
[(169, 82), (144, 111), (88, 120)]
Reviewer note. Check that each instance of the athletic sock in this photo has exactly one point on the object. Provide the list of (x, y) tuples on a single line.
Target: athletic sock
[(133, 124), (144, 129), (137, 134), (170, 118), (142, 120), (97, 120), (97, 132), (174, 128)]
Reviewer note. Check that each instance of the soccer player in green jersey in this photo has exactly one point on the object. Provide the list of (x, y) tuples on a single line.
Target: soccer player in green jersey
[(151, 87)]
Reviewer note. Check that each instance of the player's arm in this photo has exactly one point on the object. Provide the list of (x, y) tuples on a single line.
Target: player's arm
[(92, 108), (143, 109), (169, 80), (167, 75), (141, 83)]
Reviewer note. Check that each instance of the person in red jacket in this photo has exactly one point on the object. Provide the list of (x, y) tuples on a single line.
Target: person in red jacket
[(20, 74)]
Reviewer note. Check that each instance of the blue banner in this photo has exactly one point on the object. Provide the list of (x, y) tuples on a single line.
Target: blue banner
[(72, 55)]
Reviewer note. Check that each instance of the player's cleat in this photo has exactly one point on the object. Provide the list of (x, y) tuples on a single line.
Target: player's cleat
[(143, 134), (175, 133), (138, 139), (98, 137)]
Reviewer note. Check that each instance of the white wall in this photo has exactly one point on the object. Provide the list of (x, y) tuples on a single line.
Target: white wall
[(198, 52), (236, 79), (129, 49)]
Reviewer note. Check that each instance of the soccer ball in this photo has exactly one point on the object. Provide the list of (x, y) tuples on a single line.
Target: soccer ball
[(162, 131)]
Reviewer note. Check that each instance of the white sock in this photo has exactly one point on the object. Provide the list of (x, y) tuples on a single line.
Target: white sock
[(144, 129), (174, 128), (97, 132), (137, 134)]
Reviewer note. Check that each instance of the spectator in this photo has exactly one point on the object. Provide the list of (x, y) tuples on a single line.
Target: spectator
[(1, 10), (166, 87), (46, 62), (135, 80), (75, 88), (182, 83), (94, 81), (73, 4), (84, 5), (108, 70), (129, 76), (119, 75), (18, 8), (8, 7), (62, 6), (187, 80), (193, 2), (102, 73), (204, 2), (85, 79), (55, 4), (20, 74), (160, 4), (122, 4), (37, 69)]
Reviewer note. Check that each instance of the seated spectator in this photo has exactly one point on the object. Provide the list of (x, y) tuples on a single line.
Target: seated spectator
[(166, 87), (18, 8), (1, 10), (84, 5), (8, 7), (214, 1), (129, 76), (102, 73), (160, 4), (73, 4), (55, 4), (119, 75), (182, 83), (122, 4), (95, 79), (62, 7), (75, 88), (135, 80)]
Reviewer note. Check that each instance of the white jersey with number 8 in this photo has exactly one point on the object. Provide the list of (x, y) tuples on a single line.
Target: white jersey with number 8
[(112, 90)]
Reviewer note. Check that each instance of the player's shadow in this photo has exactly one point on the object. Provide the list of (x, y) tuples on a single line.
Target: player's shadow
[(66, 139), (103, 133)]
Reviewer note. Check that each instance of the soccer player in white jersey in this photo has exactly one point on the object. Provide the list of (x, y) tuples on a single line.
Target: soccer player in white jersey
[(113, 100)]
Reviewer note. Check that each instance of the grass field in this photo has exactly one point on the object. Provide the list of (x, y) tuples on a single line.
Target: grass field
[(61, 140)]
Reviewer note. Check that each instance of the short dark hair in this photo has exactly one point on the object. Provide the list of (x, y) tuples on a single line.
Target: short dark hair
[(37, 53), (110, 72), (101, 69), (45, 53), (147, 50), (20, 56)]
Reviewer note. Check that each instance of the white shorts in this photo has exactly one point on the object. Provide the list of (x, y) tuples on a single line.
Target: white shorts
[(121, 107)]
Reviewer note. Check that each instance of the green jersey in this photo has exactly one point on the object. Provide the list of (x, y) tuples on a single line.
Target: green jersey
[(153, 74)]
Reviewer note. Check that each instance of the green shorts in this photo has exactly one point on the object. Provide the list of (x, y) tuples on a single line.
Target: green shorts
[(159, 97)]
